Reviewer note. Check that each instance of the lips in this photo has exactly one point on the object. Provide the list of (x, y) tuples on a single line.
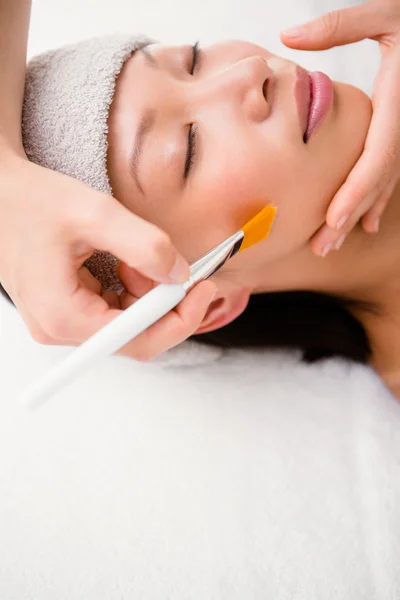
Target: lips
[(314, 96)]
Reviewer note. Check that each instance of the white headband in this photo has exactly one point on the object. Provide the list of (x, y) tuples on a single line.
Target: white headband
[(68, 93)]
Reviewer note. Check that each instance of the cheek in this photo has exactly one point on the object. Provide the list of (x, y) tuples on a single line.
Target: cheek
[(345, 135), (234, 185), (237, 181), (223, 197)]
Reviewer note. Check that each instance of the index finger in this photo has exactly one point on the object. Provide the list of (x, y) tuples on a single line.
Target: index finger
[(336, 28), (377, 166), (110, 226)]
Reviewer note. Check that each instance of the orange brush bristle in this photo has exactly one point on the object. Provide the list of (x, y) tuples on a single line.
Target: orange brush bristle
[(258, 228)]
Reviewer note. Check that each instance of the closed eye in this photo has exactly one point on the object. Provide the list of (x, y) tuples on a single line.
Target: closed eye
[(191, 146), (191, 151), (195, 57)]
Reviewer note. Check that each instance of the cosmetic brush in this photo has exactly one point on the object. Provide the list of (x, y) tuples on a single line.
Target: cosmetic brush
[(147, 310)]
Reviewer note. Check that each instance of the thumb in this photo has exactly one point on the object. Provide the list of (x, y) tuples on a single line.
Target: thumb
[(138, 243), (336, 28)]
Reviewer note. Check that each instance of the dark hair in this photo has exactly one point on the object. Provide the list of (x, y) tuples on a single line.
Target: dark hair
[(320, 325)]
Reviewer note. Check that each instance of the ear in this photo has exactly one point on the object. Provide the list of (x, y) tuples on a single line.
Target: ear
[(224, 309)]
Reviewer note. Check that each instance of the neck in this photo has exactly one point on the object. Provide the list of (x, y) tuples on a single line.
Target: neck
[(360, 270)]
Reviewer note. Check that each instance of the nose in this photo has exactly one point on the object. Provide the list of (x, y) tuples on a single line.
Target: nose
[(244, 84)]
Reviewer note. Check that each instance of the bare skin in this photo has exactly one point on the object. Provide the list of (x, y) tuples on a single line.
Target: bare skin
[(44, 244), (250, 152)]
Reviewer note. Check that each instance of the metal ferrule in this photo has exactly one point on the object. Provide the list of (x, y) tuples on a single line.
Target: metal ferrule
[(211, 262)]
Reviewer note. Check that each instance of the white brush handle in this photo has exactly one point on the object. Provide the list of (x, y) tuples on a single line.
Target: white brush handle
[(124, 328)]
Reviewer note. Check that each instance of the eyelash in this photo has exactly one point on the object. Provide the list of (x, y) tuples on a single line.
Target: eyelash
[(195, 57), (191, 152)]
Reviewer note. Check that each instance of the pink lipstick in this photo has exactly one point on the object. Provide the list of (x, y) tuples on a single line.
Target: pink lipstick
[(314, 96), (321, 92)]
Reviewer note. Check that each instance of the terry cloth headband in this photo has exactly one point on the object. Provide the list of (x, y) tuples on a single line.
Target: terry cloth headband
[(68, 93)]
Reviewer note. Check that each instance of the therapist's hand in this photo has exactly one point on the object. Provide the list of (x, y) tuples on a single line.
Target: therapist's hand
[(370, 184), (49, 225)]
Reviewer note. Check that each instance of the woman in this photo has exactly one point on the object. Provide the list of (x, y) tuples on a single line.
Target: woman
[(44, 279), (199, 140)]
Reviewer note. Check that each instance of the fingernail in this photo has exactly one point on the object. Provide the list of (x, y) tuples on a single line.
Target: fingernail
[(180, 271), (376, 224), (327, 248), (340, 241), (294, 32), (342, 221)]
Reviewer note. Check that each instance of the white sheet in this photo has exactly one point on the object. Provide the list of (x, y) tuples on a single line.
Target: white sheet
[(254, 477)]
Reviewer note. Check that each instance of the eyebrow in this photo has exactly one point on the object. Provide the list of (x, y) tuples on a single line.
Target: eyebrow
[(146, 124)]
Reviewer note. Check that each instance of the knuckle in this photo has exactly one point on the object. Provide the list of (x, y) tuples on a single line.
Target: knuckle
[(390, 157), (381, 203), (91, 213), (392, 148), (160, 242), (381, 188), (54, 325), (382, 197), (390, 13), (96, 211), (330, 23), (160, 246), (41, 337)]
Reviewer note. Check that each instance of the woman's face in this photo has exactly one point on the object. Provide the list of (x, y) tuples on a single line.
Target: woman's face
[(199, 142)]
